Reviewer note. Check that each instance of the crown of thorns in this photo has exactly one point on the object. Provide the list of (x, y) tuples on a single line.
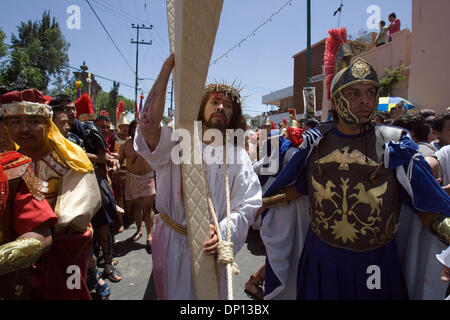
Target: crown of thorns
[(229, 91)]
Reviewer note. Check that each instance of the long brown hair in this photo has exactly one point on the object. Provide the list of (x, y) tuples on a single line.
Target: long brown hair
[(237, 120)]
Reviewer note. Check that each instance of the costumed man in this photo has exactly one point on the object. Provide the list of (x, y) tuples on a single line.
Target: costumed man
[(72, 192), (25, 222), (96, 150), (6, 144), (356, 177), (283, 127), (253, 287), (118, 177), (269, 126), (220, 109), (279, 277), (140, 188)]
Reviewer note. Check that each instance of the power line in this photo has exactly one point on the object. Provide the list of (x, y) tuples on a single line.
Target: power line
[(253, 32), (125, 16), (74, 68), (109, 36)]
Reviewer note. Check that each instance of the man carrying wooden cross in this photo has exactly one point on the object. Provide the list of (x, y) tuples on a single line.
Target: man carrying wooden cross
[(220, 109)]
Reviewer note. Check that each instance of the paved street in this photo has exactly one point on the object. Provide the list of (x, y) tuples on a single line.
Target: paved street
[(135, 264)]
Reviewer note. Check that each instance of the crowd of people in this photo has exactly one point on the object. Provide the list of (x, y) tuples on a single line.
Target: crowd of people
[(62, 172), (352, 196)]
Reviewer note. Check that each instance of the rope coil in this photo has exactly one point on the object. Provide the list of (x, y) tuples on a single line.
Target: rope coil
[(224, 248), (225, 255)]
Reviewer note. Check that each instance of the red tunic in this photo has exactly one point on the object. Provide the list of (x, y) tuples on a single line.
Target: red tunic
[(23, 214), (29, 213), (54, 276)]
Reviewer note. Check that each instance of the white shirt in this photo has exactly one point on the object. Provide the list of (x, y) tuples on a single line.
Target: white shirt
[(382, 36), (443, 156)]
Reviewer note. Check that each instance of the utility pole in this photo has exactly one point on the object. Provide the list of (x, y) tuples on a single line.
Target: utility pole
[(308, 41), (308, 49), (138, 27), (169, 113)]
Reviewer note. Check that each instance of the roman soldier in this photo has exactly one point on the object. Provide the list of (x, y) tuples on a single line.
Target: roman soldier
[(289, 140), (73, 192), (338, 167), (25, 222)]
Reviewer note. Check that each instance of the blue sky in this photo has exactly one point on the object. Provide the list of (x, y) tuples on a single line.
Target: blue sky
[(263, 63)]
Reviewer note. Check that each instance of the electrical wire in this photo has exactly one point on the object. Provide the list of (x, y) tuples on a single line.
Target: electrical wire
[(252, 33), (98, 18), (76, 69), (108, 8)]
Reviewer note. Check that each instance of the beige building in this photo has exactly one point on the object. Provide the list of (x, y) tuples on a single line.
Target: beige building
[(429, 76), (424, 52)]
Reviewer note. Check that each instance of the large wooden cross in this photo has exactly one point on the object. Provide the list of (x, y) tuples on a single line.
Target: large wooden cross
[(192, 32)]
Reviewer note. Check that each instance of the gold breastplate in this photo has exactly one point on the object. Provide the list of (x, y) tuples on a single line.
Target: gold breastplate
[(347, 209)]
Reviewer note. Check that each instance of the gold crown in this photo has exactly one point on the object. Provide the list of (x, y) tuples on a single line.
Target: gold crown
[(26, 108)]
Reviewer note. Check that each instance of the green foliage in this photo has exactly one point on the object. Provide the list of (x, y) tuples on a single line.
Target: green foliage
[(112, 104), (390, 78), (103, 102), (41, 46), (3, 48), (19, 64), (129, 104)]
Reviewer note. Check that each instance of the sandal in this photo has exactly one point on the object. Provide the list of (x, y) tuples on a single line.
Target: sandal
[(112, 273), (149, 246), (136, 236), (102, 291)]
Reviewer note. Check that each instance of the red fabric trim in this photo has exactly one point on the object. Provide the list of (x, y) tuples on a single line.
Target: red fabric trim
[(29, 213)]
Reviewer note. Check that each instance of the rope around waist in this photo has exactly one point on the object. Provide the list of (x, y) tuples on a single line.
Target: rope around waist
[(172, 224)]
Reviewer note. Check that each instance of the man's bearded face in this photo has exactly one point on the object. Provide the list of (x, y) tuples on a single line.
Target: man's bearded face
[(218, 111)]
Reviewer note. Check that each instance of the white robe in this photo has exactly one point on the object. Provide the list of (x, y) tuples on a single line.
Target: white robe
[(418, 249), (283, 232), (417, 252), (170, 250)]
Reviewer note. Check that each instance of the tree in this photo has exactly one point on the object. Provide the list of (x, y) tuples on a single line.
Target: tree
[(129, 104), (3, 48), (107, 103), (112, 105), (39, 45), (17, 65)]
